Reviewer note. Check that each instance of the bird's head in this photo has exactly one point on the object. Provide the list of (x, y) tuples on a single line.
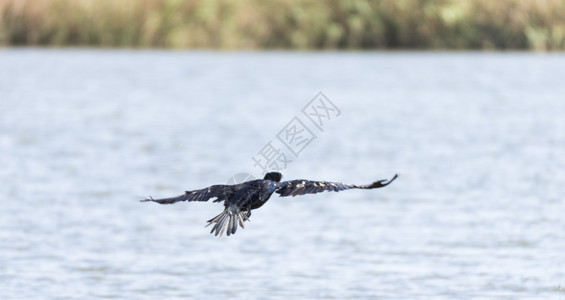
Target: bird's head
[(273, 176)]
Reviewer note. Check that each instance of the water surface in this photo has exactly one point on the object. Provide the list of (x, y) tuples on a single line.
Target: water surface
[(478, 140)]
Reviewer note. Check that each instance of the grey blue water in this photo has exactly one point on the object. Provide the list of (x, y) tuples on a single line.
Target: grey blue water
[(478, 140)]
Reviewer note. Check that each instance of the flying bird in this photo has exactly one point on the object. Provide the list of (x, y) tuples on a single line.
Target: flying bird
[(240, 199)]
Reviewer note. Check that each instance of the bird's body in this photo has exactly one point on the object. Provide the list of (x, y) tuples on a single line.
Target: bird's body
[(240, 199)]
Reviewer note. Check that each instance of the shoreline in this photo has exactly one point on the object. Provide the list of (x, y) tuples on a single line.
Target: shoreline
[(296, 24)]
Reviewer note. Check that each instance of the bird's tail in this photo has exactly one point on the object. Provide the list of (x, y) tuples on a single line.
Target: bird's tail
[(228, 220)]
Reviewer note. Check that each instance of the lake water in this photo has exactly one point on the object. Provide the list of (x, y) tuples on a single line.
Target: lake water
[(478, 140)]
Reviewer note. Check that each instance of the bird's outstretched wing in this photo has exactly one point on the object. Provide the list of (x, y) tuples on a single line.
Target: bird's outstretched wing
[(221, 192), (301, 187)]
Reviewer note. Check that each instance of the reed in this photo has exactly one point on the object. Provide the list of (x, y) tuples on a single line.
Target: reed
[(286, 24)]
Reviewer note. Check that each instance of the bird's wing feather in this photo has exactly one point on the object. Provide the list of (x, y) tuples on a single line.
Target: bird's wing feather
[(301, 187), (221, 192)]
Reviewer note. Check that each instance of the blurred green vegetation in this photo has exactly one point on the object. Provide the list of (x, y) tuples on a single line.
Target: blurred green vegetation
[(286, 24)]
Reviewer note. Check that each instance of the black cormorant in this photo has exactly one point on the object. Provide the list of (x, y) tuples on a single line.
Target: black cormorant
[(240, 199)]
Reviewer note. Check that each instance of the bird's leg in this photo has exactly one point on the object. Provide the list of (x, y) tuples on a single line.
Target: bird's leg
[(248, 210)]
